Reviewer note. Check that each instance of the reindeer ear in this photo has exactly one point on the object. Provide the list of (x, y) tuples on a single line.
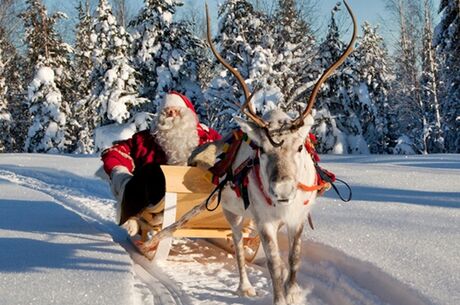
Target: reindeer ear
[(251, 129)]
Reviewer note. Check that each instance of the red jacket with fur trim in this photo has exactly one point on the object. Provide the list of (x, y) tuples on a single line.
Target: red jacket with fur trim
[(142, 149)]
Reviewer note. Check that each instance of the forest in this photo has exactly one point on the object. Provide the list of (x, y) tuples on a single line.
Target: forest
[(57, 95)]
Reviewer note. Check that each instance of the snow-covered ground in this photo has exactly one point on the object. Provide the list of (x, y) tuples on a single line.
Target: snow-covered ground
[(397, 242)]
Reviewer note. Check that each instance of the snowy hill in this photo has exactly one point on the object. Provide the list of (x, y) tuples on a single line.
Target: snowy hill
[(397, 242)]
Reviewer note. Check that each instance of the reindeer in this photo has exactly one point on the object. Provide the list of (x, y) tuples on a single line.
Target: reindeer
[(282, 189)]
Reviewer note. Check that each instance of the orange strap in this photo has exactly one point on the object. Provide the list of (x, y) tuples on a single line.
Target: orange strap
[(322, 187), (312, 188)]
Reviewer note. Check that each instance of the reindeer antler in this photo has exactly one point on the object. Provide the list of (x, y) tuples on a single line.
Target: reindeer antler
[(246, 108), (297, 123)]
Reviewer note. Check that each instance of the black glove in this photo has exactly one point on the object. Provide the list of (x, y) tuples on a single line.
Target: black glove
[(146, 187)]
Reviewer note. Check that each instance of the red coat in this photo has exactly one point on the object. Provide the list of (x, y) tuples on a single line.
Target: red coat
[(142, 149)]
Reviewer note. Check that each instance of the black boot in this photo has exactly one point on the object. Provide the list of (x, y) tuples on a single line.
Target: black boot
[(146, 187)]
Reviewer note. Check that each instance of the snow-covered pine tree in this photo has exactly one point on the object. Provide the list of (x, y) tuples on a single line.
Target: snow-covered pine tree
[(165, 54), (432, 134), (353, 110), (373, 80), (47, 133), (330, 105), (114, 89), (44, 44), (406, 94), (447, 41), (83, 64), (294, 49), (5, 115), (244, 41), (51, 86), (14, 94), (82, 125)]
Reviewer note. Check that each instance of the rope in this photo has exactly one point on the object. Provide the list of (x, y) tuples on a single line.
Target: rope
[(328, 179), (218, 188), (350, 193)]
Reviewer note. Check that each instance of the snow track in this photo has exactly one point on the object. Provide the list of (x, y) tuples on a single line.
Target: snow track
[(199, 273)]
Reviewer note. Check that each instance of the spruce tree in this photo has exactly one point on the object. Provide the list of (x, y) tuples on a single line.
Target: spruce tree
[(114, 87), (432, 133), (47, 132), (83, 64), (165, 54), (245, 44), (294, 50), (82, 125), (406, 96), (12, 72), (51, 87), (5, 116), (374, 77), (447, 42), (329, 103)]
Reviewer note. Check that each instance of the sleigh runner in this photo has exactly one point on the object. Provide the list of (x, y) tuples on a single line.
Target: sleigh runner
[(183, 213)]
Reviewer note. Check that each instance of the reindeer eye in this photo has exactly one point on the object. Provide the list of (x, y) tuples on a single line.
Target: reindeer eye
[(300, 148)]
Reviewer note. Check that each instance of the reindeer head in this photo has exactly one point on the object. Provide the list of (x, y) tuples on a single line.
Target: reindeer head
[(281, 165), (280, 138)]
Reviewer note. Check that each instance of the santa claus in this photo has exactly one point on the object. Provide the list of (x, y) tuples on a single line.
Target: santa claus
[(133, 165)]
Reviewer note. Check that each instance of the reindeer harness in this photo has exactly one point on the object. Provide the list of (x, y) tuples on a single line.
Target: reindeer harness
[(223, 171)]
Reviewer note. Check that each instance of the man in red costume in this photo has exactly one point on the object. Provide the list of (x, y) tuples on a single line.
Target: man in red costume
[(133, 165)]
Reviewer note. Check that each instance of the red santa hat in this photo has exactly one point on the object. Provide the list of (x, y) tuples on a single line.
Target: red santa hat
[(175, 99)]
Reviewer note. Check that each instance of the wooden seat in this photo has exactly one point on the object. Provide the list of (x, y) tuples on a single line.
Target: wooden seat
[(187, 187)]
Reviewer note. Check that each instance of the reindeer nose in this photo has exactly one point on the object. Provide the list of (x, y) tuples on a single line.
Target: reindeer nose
[(282, 188)]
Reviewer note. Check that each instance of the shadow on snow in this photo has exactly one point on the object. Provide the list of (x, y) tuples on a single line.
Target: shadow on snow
[(428, 198), (52, 237)]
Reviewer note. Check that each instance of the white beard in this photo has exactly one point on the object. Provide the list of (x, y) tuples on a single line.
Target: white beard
[(177, 136)]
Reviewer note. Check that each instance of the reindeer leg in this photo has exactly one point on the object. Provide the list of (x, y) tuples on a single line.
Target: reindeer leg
[(268, 236), (236, 222), (293, 291)]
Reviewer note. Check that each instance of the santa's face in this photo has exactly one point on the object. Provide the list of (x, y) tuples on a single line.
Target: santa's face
[(172, 112), (176, 133)]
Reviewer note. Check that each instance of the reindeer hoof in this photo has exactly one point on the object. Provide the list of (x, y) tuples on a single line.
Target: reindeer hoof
[(295, 295), (246, 291)]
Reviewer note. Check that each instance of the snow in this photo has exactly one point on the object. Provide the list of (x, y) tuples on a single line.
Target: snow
[(5, 117), (167, 17), (106, 135), (404, 146), (45, 75), (363, 94), (395, 243)]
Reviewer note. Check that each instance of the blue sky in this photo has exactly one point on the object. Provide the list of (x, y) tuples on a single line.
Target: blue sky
[(365, 10), (372, 11)]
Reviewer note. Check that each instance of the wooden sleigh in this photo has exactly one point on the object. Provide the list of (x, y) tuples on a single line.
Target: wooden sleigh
[(186, 189)]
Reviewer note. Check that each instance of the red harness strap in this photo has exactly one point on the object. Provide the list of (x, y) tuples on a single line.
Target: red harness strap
[(259, 179), (319, 185)]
